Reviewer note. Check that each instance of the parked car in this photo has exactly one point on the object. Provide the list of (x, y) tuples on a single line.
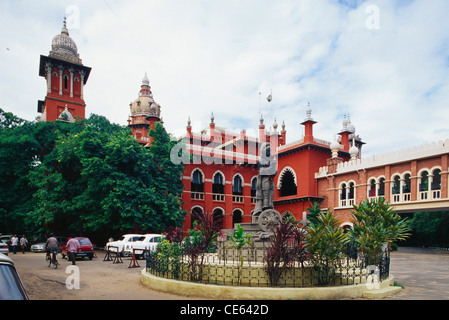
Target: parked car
[(4, 248), (38, 247), (122, 242), (6, 238), (148, 241), (86, 249), (11, 287)]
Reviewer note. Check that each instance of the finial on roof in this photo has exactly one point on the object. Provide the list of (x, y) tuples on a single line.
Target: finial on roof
[(145, 80), (308, 112), (64, 29)]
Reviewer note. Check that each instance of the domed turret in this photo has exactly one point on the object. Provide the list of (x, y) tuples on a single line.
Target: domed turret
[(354, 151), (145, 104), (63, 47), (335, 146)]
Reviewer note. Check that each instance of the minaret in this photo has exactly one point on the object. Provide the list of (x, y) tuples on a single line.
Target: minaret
[(308, 125), (344, 133), (262, 137), (283, 134), (66, 76)]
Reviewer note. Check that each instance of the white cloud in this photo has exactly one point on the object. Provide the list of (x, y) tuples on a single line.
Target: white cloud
[(216, 56)]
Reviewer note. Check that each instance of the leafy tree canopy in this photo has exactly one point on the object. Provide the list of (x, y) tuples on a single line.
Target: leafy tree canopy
[(86, 177)]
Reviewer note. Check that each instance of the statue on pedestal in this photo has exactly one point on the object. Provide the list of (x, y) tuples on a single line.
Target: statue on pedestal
[(264, 213)]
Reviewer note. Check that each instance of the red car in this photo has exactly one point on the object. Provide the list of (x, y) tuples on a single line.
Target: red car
[(86, 248)]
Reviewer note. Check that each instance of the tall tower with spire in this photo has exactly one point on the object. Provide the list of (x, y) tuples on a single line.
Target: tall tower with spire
[(66, 76), (144, 113)]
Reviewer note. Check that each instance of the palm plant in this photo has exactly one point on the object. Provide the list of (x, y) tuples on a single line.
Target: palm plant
[(326, 243), (376, 224)]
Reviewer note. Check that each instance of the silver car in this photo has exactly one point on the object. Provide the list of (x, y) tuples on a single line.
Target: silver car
[(11, 287), (38, 247), (4, 248)]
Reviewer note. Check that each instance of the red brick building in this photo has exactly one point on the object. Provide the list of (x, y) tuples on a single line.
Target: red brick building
[(221, 178), (66, 76)]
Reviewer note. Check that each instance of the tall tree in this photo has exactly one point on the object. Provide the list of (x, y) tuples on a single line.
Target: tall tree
[(100, 179)]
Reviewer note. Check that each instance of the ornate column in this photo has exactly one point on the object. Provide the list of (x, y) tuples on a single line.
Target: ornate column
[(71, 83), (60, 80), (48, 68), (82, 84)]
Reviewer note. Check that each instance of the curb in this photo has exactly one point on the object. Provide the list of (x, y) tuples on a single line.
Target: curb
[(211, 291)]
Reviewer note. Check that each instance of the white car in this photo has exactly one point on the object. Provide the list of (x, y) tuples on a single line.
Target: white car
[(4, 248), (38, 247), (126, 239), (146, 242)]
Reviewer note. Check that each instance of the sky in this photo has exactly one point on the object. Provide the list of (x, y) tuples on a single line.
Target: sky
[(384, 63)]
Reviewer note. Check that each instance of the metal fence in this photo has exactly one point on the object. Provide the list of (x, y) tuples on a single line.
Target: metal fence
[(248, 267)]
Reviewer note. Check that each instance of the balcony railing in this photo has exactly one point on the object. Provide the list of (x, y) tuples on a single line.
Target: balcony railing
[(197, 195), (218, 197)]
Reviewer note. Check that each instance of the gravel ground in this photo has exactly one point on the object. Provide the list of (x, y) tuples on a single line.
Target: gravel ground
[(98, 279)]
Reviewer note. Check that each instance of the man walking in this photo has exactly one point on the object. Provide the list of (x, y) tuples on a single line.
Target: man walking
[(72, 247), (23, 243), (14, 243)]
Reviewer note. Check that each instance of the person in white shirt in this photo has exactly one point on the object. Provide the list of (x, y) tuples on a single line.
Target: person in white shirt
[(14, 243)]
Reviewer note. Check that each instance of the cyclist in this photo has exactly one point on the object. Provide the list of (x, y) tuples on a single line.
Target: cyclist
[(52, 247)]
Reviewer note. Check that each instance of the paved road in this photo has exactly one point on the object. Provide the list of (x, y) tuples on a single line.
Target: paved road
[(423, 272)]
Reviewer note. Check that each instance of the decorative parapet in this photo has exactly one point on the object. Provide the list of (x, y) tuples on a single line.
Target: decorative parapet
[(404, 155), (291, 144), (207, 152)]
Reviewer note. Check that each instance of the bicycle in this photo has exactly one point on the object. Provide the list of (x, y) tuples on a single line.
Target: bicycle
[(51, 258)]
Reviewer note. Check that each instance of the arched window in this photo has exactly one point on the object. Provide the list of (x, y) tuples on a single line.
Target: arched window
[(237, 217), (396, 189), (406, 188), (197, 183), (194, 215), (343, 195), (351, 193), (372, 188), (381, 190), (343, 192), (288, 185), (396, 186), (218, 185), (436, 179), (66, 82), (218, 216), (424, 181), (253, 187), (288, 215), (237, 186), (436, 184)]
